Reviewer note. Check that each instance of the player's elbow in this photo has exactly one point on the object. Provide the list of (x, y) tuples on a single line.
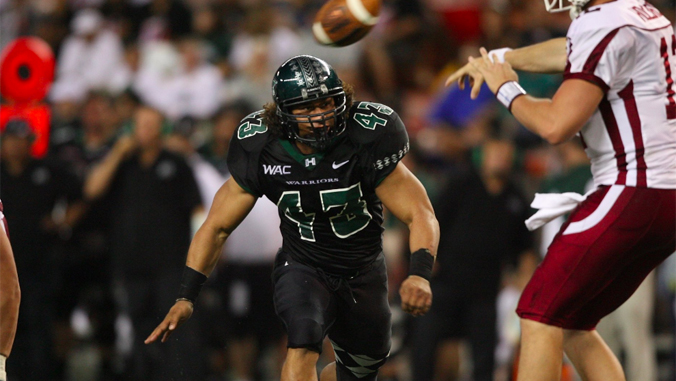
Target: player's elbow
[(554, 138), (558, 133), (425, 216)]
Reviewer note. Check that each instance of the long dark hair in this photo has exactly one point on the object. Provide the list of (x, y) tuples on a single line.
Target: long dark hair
[(272, 120)]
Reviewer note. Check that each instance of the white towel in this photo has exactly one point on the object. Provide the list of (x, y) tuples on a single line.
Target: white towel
[(551, 206)]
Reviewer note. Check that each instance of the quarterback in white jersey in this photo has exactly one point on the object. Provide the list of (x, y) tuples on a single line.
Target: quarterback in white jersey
[(618, 95), (631, 138)]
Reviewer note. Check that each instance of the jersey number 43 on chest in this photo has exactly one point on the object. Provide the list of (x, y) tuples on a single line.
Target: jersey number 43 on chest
[(352, 215)]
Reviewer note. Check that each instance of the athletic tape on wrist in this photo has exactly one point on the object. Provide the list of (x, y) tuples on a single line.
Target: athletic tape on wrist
[(421, 265), (499, 53), (508, 92), (191, 284)]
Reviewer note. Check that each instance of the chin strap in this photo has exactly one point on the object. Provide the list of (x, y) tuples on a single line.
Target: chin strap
[(575, 11)]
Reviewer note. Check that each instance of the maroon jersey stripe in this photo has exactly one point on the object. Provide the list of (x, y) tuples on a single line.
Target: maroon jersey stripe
[(597, 53), (614, 132), (627, 95)]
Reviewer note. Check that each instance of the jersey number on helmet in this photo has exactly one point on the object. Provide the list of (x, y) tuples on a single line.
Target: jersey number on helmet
[(352, 217)]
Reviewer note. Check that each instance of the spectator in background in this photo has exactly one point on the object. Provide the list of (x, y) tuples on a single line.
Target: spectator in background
[(188, 87), (481, 214), (88, 57), (163, 20), (242, 286), (87, 139), (124, 77), (258, 48), (215, 150), (153, 197), (243, 281), (195, 89), (465, 123), (207, 25), (86, 285), (629, 330), (666, 282), (208, 179), (35, 193), (10, 296)]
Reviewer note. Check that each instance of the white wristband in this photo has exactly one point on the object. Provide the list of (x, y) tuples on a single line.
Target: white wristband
[(3, 375), (499, 53), (508, 92)]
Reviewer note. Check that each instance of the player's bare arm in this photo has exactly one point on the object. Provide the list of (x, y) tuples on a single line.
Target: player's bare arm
[(231, 205), (403, 195), (10, 297), (555, 120), (547, 57)]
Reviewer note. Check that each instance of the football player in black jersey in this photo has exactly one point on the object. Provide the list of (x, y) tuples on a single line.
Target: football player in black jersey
[(330, 164)]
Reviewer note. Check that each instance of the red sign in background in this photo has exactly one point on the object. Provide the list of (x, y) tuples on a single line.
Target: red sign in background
[(26, 73)]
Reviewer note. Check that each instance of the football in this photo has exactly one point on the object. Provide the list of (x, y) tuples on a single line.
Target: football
[(344, 22)]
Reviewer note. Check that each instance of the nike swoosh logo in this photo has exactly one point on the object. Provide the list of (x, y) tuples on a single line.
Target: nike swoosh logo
[(338, 165)]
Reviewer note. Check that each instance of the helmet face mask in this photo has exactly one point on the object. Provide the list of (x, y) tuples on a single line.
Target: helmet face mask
[(325, 126), (299, 82), (573, 6)]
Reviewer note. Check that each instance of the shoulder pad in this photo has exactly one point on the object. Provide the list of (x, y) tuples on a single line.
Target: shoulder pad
[(367, 121), (252, 132)]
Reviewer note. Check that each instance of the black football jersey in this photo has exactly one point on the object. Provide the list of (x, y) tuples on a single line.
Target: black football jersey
[(331, 216)]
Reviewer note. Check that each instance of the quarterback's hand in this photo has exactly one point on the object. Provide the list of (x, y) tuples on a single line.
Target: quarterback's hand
[(416, 295), (467, 72), (178, 314), (493, 72)]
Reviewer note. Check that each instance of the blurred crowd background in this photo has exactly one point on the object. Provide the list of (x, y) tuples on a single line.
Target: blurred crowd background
[(99, 261)]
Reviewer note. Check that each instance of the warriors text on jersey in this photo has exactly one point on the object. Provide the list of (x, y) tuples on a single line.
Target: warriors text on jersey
[(628, 49), (331, 216)]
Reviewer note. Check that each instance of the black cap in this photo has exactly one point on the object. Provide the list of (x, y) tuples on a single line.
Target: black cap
[(18, 127)]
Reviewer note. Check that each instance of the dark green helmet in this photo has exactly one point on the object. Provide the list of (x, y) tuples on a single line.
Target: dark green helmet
[(304, 79)]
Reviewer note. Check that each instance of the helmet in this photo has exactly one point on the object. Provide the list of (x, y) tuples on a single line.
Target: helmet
[(575, 6), (304, 79)]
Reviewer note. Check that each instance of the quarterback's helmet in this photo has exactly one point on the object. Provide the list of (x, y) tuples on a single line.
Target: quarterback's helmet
[(574, 6), (304, 79)]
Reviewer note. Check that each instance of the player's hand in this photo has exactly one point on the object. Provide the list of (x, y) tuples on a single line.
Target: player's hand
[(493, 72), (465, 73), (416, 295), (178, 314)]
